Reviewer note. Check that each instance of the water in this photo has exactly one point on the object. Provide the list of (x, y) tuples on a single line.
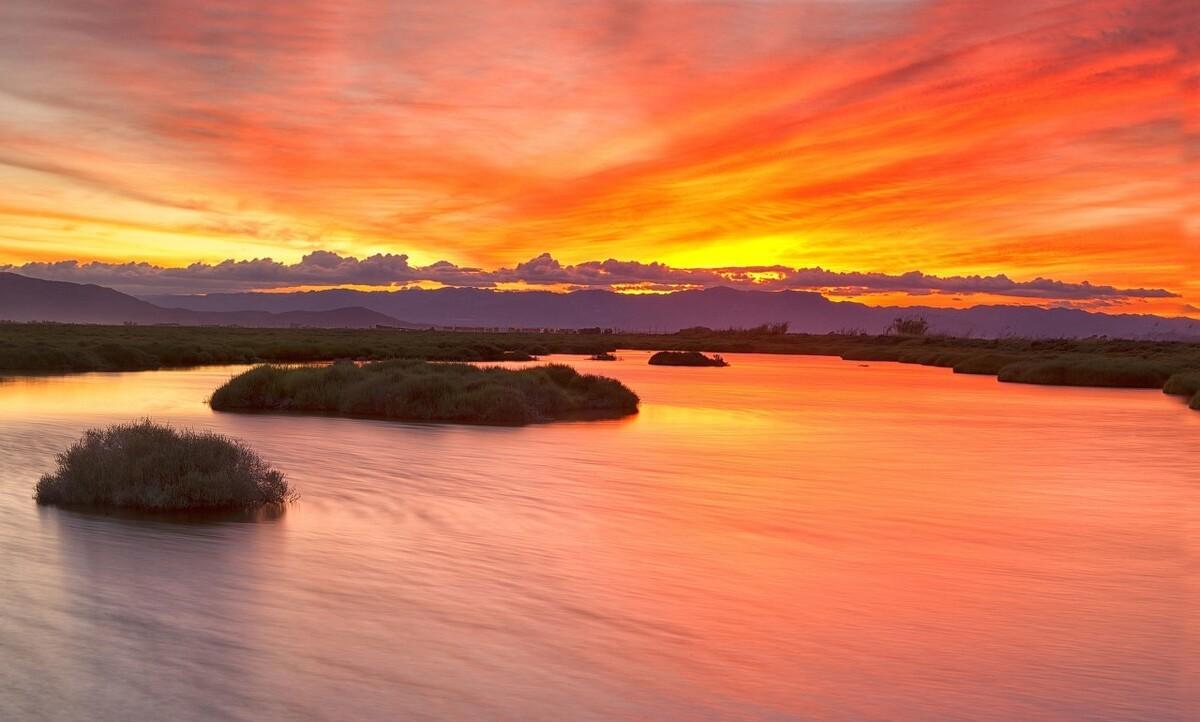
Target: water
[(790, 538)]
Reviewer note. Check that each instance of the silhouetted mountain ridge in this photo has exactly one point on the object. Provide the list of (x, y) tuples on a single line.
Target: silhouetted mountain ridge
[(715, 307), (30, 299)]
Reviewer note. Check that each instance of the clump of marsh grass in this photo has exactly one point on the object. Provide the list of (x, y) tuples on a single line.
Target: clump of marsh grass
[(422, 391), (153, 467), (1185, 383), (686, 358)]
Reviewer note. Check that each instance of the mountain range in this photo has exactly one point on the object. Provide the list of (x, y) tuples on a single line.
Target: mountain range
[(715, 307), (31, 299), (28, 299)]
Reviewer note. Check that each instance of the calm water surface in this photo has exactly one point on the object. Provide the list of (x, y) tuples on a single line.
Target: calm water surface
[(789, 538)]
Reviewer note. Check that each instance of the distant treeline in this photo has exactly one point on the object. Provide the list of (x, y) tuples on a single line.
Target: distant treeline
[(26, 348), (67, 347)]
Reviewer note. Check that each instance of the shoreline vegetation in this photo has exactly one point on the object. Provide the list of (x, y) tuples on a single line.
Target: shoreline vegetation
[(1103, 362), (413, 390), (150, 467), (686, 358)]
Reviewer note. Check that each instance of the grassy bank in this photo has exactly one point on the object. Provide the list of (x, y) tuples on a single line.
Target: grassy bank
[(1085, 371), (26, 348), (145, 466), (1186, 384), (420, 391)]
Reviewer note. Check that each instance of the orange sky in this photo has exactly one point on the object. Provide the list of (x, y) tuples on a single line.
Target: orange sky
[(1037, 139)]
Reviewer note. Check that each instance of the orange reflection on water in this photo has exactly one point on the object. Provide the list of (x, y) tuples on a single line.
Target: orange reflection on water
[(786, 538), (112, 394)]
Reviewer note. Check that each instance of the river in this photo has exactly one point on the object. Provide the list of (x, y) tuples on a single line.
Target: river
[(789, 538)]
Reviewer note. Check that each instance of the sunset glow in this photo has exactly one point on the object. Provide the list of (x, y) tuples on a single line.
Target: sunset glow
[(1038, 140), (599, 360)]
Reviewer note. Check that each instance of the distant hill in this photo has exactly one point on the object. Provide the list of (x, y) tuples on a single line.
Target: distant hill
[(715, 307), (30, 299)]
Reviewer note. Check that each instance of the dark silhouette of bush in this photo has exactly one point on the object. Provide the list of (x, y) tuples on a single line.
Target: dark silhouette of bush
[(151, 467), (603, 356), (686, 358), (437, 392), (909, 326), (768, 329)]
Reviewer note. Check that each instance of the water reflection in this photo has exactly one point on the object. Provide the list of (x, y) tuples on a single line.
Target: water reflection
[(787, 538), (183, 518), (141, 625)]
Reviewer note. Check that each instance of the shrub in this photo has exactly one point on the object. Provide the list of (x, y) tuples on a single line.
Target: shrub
[(148, 466), (909, 326), (1186, 383), (421, 391)]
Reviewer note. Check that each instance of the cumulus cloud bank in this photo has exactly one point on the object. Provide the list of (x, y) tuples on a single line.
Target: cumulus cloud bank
[(327, 269)]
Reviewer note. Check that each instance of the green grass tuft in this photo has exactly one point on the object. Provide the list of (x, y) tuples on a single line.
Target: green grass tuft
[(151, 467)]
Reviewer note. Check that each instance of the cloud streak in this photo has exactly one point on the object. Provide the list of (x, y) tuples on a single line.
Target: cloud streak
[(324, 269)]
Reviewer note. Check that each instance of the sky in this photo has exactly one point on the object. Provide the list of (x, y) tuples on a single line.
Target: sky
[(942, 152)]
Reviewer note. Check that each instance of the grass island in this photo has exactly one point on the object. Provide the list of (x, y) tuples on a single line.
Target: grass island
[(410, 390), (686, 358)]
